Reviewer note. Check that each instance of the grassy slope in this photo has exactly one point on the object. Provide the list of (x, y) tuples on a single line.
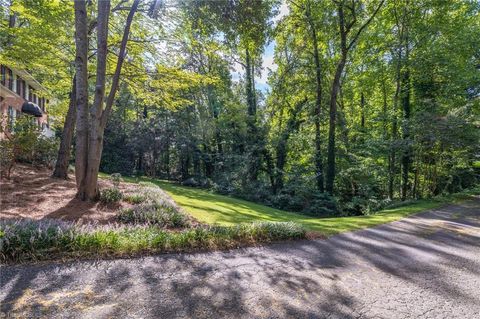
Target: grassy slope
[(224, 210)]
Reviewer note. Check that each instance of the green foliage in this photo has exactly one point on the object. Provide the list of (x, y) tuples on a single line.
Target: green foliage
[(134, 198), (408, 102), (27, 145), (110, 195), (115, 179), (155, 214), (153, 207), (7, 157), (46, 27), (32, 240), (322, 205), (211, 208)]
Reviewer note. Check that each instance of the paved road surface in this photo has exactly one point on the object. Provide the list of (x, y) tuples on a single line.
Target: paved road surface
[(427, 266)]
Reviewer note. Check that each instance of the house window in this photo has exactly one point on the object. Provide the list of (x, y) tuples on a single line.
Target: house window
[(11, 117), (24, 89), (10, 79), (30, 93), (3, 72), (20, 86)]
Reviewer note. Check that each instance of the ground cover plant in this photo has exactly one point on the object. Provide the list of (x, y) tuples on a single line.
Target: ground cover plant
[(29, 240), (153, 223), (153, 206)]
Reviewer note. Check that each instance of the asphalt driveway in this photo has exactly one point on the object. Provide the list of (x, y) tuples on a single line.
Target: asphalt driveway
[(425, 266)]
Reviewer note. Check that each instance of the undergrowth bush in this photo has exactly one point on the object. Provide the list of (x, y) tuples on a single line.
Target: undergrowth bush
[(154, 207), (134, 198), (321, 205), (110, 195), (33, 240), (27, 145), (154, 213)]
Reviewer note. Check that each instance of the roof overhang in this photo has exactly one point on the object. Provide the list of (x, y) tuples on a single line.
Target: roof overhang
[(30, 79)]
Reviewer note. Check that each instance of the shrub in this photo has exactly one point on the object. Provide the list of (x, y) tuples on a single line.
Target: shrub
[(27, 239), (255, 192), (27, 145), (110, 195), (148, 184), (31, 240), (322, 205), (45, 151), (363, 206), (154, 214), (134, 198), (7, 157), (153, 207), (288, 201), (115, 179), (197, 182)]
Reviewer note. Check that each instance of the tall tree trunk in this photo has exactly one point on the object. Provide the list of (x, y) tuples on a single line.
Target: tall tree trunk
[(63, 157), (405, 99), (64, 152), (345, 29), (362, 107), (406, 154), (197, 154), (167, 161), (81, 84), (88, 173), (252, 138), (332, 125), (393, 155), (270, 168), (280, 163), (95, 138), (342, 121), (318, 105), (217, 160), (208, 161), (385, 121), (12, 21), (292, 125), (251, 111)]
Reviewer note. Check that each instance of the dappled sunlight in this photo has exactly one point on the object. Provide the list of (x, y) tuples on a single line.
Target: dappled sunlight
[(213, 208), (406, 266)]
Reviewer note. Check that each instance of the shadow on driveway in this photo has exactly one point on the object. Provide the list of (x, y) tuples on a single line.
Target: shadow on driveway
[(423, 266)]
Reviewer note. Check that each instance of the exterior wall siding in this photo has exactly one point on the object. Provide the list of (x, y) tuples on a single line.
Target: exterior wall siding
[(11, 81)]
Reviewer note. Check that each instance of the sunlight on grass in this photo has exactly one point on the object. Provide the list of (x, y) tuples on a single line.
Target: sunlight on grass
[(217, 209)]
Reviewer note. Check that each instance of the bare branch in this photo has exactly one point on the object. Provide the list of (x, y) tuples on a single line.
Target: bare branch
[(119, 6), (118, 69), (360, 30)]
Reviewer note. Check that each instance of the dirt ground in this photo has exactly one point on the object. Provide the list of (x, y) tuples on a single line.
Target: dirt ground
[(32, 193)]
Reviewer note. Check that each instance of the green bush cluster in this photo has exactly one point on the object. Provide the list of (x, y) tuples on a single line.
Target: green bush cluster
[(134, 198), (154, 207), (154, 213), (27, 145), (110, 195), (33, 240)]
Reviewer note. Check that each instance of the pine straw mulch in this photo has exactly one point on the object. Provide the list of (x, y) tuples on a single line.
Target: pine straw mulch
[(32, 193)]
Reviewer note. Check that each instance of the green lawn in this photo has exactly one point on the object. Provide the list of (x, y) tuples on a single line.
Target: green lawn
[(217, 209)]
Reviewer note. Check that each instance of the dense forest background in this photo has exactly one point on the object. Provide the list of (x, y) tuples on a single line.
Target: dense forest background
[(368, 102)]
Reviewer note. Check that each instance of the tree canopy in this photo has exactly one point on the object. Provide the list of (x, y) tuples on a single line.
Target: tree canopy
[(367, 102)]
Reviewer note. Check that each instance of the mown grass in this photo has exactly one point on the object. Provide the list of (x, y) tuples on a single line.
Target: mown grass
[(33, 240), (216, 209)]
